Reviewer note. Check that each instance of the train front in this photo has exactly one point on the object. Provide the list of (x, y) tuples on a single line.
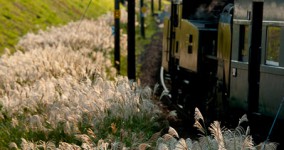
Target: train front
[(190, 41)]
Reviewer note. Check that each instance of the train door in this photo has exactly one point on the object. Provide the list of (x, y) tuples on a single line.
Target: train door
[(239, 65), (238, 97), (224, 45), (224, 55)]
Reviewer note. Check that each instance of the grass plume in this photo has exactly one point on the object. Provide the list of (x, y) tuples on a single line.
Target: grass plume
[(220, 138)]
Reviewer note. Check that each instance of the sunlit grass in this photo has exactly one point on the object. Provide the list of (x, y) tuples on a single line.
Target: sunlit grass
[(21, 16), (60, 90), (56, 89)]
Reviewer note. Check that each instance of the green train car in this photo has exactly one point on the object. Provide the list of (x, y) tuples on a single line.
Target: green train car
[(224, 55)]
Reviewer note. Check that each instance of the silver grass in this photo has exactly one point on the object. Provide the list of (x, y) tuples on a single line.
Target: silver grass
[(159, 141), (216, 131), (156, 87), (84, 138), (247, 143), (26, 145), (67, 146), (58, 82), (91, 133), (172, 114), (239, 131), (199, 127), (154, 137), (41, 145), (162, 146), (196, 146), (173, 132), (117, 145), (189, 143), (243, 119), (143, 146), (102, 145), (167, 137), (86, 146), (13, 145), (14, 122), (35, 122), (181, 145), (267, 146), (172, 143), (198, 115), (247, 131), (167, 142), (50, 145), (230, 139), (206, 142)]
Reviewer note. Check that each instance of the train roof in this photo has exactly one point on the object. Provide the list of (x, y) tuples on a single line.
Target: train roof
[(273, 9), (205, 25)]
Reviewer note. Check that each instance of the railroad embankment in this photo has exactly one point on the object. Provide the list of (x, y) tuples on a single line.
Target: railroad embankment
[(20, 17)]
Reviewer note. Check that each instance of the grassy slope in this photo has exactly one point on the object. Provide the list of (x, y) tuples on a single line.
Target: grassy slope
[(18, 17)]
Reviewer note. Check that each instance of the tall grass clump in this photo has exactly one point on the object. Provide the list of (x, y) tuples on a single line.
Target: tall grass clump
[(60, 90), (215, 138)]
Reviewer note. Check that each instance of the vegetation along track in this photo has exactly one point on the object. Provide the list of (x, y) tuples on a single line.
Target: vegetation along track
[(151, 61)]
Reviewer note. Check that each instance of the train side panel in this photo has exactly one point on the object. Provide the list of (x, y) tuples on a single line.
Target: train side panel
[(166, 44), (271, 90), (272, 68), (189, 46), (271, 84), (273, 9)]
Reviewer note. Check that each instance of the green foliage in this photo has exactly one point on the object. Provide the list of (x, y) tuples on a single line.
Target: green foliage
[(18, 17), (132, 132)]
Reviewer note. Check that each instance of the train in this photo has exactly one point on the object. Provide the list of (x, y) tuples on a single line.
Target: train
[(224, 55)]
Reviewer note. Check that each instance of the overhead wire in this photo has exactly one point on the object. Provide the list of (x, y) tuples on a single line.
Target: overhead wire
[(84, 14)]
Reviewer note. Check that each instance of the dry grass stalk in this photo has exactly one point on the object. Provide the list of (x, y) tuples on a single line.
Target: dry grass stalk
[(198, 115), (216, 131)]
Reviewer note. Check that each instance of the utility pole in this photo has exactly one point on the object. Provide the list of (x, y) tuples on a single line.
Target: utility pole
[(117, 36), (152, 7), (131, 67), (160, 5), (142, 18), (254, 56), (172, 60)]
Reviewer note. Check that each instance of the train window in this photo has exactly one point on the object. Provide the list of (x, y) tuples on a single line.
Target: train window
[(190, 38), (177, 44), (189, 50), (273, 46), (244, 40)]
